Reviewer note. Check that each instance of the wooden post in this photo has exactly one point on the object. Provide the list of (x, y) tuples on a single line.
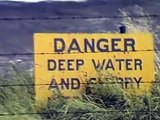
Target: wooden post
[(122, 29)]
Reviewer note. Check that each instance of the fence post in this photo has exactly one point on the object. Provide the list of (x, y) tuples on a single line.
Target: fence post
[(122, 29)]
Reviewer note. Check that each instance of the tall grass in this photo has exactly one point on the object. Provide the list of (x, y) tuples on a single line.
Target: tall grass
[(102, 102), (16, 99)]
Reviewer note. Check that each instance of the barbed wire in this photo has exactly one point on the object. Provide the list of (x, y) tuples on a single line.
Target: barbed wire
[(29, 54), (32, 53), (82, 83), (82, 112), (68, 17), (77, 17)]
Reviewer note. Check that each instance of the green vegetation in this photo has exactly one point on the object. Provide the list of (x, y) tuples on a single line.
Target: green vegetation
[(16, 99), (100, 102), (104, 102)]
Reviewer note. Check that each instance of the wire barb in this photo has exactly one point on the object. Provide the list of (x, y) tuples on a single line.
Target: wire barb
[(76, 17)]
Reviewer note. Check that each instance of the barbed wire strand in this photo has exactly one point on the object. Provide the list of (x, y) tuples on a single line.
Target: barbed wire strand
[(51, 113), (62, 18), (30, 53), (126, 82), (76, 17), (70, 112), (66, 17)]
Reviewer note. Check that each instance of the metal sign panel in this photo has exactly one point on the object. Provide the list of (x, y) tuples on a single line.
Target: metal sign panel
[(64, 62)]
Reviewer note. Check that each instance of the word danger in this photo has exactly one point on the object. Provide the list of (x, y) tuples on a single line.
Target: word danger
[(93, 45)]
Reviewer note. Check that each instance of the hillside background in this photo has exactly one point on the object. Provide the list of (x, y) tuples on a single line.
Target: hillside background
[(16, 36)]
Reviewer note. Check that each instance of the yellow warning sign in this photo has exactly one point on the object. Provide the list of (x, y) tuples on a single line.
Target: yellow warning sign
[(64, 62)]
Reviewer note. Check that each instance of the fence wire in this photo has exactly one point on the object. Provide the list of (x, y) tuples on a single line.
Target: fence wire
[(95, 112), (30, 54), (77, 17)]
